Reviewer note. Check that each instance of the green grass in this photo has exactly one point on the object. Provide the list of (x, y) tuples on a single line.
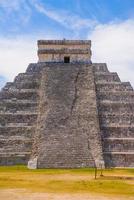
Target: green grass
[(68, 180)]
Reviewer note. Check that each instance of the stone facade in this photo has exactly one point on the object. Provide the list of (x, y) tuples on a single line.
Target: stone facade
[(67, 115), (57, 50)]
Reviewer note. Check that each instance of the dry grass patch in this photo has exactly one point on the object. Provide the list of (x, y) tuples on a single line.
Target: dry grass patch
[(68, 181)]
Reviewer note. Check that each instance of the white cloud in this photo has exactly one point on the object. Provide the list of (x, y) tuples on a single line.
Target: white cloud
[(15, 55), (113, 43)]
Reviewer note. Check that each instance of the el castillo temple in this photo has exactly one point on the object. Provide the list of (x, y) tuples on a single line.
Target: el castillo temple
[(67, 112)]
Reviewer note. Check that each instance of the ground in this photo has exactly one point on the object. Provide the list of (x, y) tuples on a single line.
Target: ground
[(20, 183)]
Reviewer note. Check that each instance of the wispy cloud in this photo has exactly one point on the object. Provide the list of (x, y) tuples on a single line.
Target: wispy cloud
[(16, 10), (9, 6), (65, 18), (20, 12)]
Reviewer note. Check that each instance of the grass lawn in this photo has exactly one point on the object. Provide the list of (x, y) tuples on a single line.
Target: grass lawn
[(114, 183)]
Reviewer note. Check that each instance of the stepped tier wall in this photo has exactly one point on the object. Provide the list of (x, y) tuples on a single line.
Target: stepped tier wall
[(116, 115), (36, 118), (67, 115), (18, 116)]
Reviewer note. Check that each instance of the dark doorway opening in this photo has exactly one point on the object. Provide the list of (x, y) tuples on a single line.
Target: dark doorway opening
[(67, 59)]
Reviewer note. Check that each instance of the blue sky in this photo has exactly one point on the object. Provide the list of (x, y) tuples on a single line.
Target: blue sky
[(108, 23), (36, 16)]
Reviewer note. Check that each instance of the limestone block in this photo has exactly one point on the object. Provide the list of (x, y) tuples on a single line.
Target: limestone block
[(32, 164)]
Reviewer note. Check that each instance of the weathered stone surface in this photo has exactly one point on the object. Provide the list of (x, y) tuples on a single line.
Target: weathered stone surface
[(56, 50), (68, 127), (67, 115), (116, 116)]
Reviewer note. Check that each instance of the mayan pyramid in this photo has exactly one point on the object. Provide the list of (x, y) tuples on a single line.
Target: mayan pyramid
[(67, 112)]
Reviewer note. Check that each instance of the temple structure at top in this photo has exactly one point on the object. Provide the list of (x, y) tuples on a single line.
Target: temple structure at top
[(64, 51)]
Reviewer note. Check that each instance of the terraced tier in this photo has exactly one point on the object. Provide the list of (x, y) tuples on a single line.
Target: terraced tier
[(67, 115), (116, 116), (15, 105), (18, 116), (14, 158), (113, 86)]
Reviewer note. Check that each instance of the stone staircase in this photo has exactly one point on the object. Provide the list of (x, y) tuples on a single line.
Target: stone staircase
[(18, 116), (116, 115), (68, 134)]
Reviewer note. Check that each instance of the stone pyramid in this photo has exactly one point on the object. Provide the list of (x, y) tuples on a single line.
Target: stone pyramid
[(67, 112)]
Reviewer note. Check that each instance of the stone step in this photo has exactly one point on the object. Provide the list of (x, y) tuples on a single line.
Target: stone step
[(15, 138), (10, 145), (17, 109), (8, 85), (109, 102), (14, 158), (119, 152), (113, 86), (114, 103), (15, 106), (67, 162), (107, 77), (23, 80), (34, 67), (37, 67), (27, 94), (17, 101), (17, 118), (119, 159), (120, 96), (127, 84), (29, 76), (120, 131), (26, 84), (26, 131), (117, 107), (15, 153), (100, 67), (118, 92), (10, 125), (120, 119), (118, 145), (118, 125), (114, 138), (18, 113), (21, 112), (15, 90), (16, 145)]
